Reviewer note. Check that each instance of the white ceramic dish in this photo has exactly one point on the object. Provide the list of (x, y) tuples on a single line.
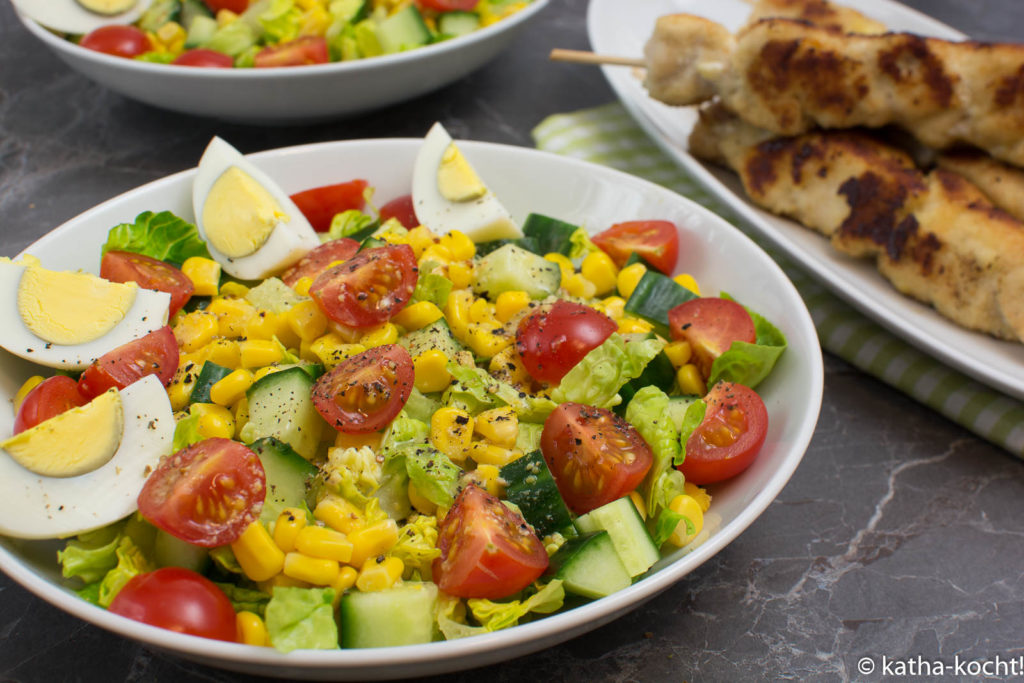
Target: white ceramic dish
[(616, 29), (294, 94), (718, 255)]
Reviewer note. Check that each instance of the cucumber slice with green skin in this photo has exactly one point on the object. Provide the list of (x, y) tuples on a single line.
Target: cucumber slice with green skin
[(372, 243), (455, 24), (655, 295), (659, 372), (435, 336), (401, 615), (588, 565), (349, 11), (403, 30), (512, 268), (289, 477), (171, 551), (532, 488), (547, 235), (281, 406), (628, 532), (192, 9), (210, 374), (159, 13)]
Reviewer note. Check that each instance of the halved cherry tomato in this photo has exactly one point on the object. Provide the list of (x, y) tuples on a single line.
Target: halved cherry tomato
[(729, 438), (552, 340), (400, 208), (320, 204), (120, 41), (148, 273), (368, 289), (298, 52), (178, 600), (487, 550), (203, 57), (154, 354), (448, 5), (205, 494), (656, 241), (594, 455), (363, 393), (319, 259), (49, 398), (236, 6), (711, 325)]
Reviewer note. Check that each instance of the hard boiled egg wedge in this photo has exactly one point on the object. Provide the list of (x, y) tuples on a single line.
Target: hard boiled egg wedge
[(84, 468), (65, 319), (448, 194), (81, 16), (251, 226)]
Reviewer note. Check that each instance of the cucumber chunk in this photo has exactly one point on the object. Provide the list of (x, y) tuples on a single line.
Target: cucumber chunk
[(403, 30), (589, 566), (400, 615), (455, 24), (628, 533), (281, 406), (532, 488), (655, 295), (210, 374), (545, 235), (289, 477), (437, 335), (512, 268)]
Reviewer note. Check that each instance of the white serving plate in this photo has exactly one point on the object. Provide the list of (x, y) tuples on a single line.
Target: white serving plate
[(298, 94), (617, 29), (716, 253)]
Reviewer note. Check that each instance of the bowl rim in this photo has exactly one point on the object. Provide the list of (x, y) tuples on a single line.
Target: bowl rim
[(538, 634), (72, 50)]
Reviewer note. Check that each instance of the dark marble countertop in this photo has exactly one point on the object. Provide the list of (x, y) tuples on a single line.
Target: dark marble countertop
[(899, 535)]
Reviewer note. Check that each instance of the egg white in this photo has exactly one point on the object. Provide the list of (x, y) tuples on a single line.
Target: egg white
[(35, 507), (68, 16), (147, 313), (288, 242), (481, 219)]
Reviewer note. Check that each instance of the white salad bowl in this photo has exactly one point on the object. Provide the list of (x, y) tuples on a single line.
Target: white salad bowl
[(716, 253), (298, 94)]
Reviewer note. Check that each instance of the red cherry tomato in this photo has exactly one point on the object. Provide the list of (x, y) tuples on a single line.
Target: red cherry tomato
[(298, 52), (363, 393), (401, 209), (205, 494), (320, 204), (487, 551), (178, 600), (154, 354), (236, 6), (729, 438), (49, 398), (319, 259), (120, 41), (552, 340), (204, 58), (447, 5), (656, 241), (148, 273), (711, 326), (368, 289), (594, 455)]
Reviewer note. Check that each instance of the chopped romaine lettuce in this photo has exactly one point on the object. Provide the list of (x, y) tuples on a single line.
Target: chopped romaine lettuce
[(748, 364), (648, 413), (498, 615), (476, 391), (162, 236), (301, 619), (596, 380)]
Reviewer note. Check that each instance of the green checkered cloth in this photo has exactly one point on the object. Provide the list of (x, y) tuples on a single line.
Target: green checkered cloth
[(607, 135)]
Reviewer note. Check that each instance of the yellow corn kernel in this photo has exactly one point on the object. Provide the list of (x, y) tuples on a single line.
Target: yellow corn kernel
[(287, 527), (204, 274), (431, 368), (688, 507), (379, 573), (232, 314), (241, 413), (629, 277), (269, 325), (302, 285), (306, 320), (690, 381), (460, 273), (184, 381), (259, 352), (368, 439), (264, 371), (257, 554), (223, 352), (451, 431), (481, 338), (456, 312), (394, 238), (459, 245), (30, 384), (420, 239), (679, 352), (233, 289), (628, 325), (437, 254), (323, 542), (273, 582), (563, 263), (331, 349), (227, 391), (688, 281), (500, 426), (638, 501), (614, 307), (346, 579), (698, 494), (339, 514), (380, 336), (484, 453), (250, 629), (214, 421), (318, 571), (507, 366), (599, 268), (225, 17), (422, 504), (195, 330), (509, 304), (579, 286), (489, 477), (482, 311), (418, 315), (172, 36), (372, 540)]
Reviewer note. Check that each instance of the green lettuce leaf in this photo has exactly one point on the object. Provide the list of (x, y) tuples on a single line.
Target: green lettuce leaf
[(90, 556), (667, 522), (451, 618), (582, 245), (417, 546), (346, 223), (186, 431), (237, 38), (301, 619), (648, 412), (691, 420), (353, 473), (476, 391), (281, 21), (494, 616), (434, 288), (433, 474), (528, 438), (749, 364), (130, 563), (162, 236), (596, 380), (245, 599)]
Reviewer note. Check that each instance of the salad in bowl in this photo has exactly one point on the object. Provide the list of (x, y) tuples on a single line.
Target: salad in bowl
[(368, 413)]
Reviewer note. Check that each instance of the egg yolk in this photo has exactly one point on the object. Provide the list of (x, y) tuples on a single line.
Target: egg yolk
[(456, 179), (239, 214), (69, 308)]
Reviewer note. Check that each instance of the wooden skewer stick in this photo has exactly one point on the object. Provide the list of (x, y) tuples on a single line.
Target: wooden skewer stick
[(582, 57)]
